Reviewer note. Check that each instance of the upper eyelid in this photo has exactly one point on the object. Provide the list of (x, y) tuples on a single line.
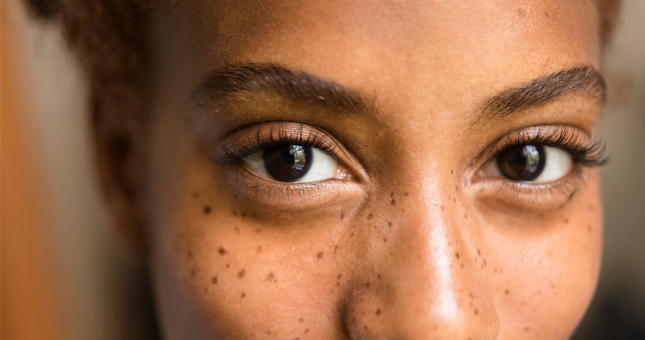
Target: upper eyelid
[(258, 136)]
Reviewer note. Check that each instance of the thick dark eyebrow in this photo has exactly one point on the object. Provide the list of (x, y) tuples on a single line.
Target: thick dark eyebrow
[(296, 86), (582, 80)]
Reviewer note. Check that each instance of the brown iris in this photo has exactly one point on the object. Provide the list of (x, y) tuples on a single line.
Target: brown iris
[(287, 163), (522, 162)]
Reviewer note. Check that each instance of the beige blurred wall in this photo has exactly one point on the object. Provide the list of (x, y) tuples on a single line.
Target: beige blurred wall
[(103, 281)]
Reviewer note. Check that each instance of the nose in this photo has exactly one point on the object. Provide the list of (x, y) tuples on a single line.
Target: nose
[(425, 282)]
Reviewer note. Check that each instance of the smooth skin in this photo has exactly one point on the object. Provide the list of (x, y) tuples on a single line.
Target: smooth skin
[(416, 242)]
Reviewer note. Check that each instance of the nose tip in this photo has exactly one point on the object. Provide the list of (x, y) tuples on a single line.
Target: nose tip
[(427, 287)]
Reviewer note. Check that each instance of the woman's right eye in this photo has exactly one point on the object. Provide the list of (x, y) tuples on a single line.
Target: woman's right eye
[(291, 163)]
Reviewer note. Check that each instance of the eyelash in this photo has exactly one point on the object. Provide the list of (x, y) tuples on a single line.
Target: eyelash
[(238, 150), (589, 153)]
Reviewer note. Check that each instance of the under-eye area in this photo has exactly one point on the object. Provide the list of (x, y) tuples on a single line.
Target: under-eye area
[(537, 167), (288, 163)]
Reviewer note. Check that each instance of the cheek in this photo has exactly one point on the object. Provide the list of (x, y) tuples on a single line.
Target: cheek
[(244, 278), (545, 285)]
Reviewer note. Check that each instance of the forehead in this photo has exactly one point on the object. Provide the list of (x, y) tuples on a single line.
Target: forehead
[(376, 44)]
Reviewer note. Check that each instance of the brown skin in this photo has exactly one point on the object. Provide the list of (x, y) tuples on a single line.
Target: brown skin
[(418, 243)]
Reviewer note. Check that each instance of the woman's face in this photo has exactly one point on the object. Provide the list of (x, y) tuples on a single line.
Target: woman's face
[(374, 169)]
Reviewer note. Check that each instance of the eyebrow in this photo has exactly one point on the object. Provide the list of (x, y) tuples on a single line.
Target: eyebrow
[(301, 87), (295, 86), (540, 91)]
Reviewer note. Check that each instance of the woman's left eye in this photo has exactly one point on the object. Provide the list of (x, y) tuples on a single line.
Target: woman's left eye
[(292, 163), (531, 163)]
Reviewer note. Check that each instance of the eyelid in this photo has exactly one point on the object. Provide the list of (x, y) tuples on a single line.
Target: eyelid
[(586, 150), (250, 139)]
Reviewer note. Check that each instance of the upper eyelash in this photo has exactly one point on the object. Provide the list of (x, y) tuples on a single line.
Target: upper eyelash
[(240, 149), (587, 152)]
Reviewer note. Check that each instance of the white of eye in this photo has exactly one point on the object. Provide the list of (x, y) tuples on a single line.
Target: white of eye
[(558, 163), (322, 167)]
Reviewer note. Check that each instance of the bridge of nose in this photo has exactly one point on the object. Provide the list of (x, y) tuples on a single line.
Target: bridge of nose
[(422, 278)]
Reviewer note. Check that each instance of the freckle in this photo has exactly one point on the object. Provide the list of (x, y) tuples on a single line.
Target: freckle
[(307, 330), (319, 255), (192, 273), (442, 208), (546, 14), (378, 276), (339, 276), (457, 255), (195, 195), (507, 292), (393, 202), (365, 327), (301, 320), (526, 329), (241, 273), (520, 12), (227, 265), (342, 215), (207, 210), (258, 230), (378, 312), (465, 216), (235, 196), (384, 239), (271, 277), (243, 214), (242, 296), (406, 194), (367, 285), (237, 229), (484, 262), (454, 200), (589, 228), (456, 188), (351, 235), (389, 224), (471, 295), (190, 254), (478, 252), (591, 207), (451, 172), (214, 280), (259, 249), (221, 251), (370, 216), (566, 220), (391, 194), (335, 249), (476, 311), (462, 266)]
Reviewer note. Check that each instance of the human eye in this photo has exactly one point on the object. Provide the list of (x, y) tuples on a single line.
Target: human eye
[(277, 161), (542, 164), (293, 163)]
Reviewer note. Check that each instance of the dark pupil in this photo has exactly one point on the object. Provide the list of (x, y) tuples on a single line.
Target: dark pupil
[(522, 162), (287, 163)]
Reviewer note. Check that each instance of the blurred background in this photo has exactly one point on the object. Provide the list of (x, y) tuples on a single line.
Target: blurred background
[(64, 276)]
